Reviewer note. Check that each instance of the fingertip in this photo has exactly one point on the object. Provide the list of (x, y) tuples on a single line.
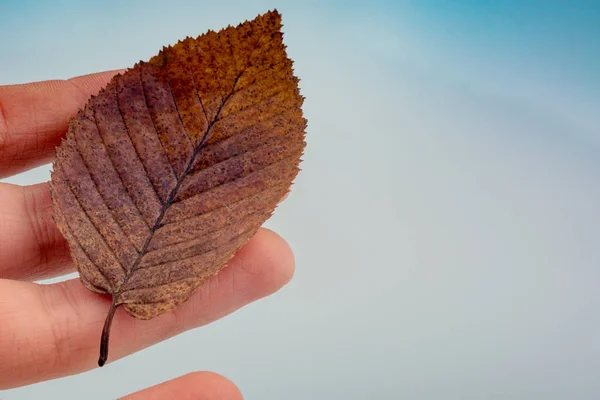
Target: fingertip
[(217, 385), (196, 385), (267, 261), (282, 258)]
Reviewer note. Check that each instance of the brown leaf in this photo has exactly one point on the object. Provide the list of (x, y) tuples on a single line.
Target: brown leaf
[(175, 165)]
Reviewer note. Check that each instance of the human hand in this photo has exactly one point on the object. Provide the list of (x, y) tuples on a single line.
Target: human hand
[(51, 331)]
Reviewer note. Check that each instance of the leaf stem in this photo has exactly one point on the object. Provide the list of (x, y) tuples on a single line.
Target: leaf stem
[(106, 333)]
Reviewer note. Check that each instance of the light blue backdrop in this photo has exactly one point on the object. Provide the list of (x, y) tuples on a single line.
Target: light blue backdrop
[(446, 222)]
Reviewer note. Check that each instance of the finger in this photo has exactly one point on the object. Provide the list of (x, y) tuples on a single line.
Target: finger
[(195, 386), (54, 330), (34, 117), (31, 247)]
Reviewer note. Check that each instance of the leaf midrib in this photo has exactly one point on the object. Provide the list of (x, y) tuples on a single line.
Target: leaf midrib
[(117, 290)]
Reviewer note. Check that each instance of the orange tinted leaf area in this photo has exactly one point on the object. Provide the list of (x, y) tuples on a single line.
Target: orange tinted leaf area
[(175, 165)]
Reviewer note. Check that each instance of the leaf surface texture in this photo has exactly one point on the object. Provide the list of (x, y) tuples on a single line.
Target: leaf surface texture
[(176, 163)]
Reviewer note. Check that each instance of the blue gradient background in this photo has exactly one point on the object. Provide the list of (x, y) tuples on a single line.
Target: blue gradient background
[(446, 221)]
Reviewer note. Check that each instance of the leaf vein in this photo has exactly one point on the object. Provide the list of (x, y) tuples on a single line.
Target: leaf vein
[(154, 124), (199, 254), (78, 243), (238, 178), (133, 145), (111, 212), (112, 252), (127, 190), (187, 278), (253, 105), (187, 134)]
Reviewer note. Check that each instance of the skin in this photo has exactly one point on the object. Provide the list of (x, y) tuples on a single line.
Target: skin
[(51, 331)]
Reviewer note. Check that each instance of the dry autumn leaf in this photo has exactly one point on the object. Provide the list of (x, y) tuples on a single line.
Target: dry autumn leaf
[(175, 165)]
